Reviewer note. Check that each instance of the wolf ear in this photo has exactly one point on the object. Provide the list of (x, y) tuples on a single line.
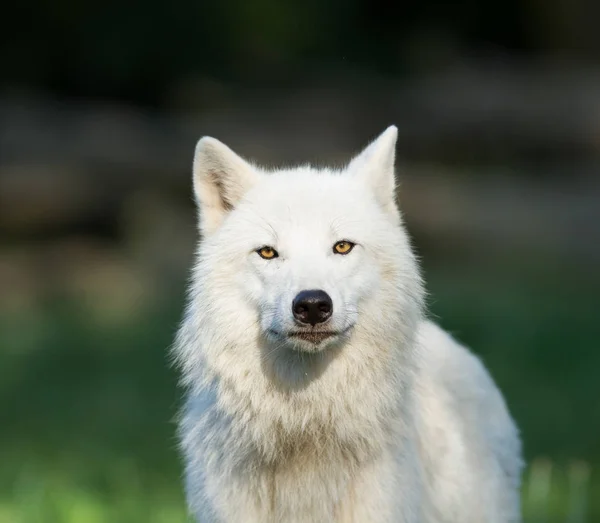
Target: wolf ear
[(221, 178), (375, 165)]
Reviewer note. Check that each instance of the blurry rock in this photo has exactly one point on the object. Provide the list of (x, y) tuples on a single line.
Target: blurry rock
[(20, 288), (108, 286), (44, 197), (159, 232)]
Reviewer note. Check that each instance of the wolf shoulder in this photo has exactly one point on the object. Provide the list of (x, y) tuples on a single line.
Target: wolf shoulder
[(451, 370), (462, 415)]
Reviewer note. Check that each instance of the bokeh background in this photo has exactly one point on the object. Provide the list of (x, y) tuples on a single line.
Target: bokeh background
[(498, 109)]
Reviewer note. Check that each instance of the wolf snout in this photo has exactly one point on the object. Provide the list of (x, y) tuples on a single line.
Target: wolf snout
[(312, 307)]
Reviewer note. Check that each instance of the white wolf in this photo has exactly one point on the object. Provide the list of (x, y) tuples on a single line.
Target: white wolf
[(317, 391)]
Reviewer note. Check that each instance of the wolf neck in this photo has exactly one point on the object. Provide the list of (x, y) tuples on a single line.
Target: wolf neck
[(359, 399), (322, 439)]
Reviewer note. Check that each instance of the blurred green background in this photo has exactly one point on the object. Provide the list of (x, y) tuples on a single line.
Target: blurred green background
[(498, 110)]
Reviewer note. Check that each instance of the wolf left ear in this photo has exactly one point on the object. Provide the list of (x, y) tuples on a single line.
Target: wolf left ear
[(375, 165), (221, 178)]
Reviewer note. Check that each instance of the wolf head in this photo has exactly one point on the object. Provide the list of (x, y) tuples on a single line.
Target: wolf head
[(301, 261)]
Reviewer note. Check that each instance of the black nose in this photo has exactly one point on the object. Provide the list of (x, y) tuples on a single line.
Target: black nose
[(312, 307)]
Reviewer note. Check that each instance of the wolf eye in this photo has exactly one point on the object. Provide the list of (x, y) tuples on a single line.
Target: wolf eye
[(268, 253), (343, 247)]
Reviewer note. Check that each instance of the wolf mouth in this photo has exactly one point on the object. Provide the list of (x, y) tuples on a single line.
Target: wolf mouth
[(314, 337)]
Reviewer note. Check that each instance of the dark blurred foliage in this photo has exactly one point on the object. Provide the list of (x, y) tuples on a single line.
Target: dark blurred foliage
[(136, 50)]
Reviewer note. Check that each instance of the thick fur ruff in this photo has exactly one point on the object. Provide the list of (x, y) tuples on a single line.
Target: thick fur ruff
[(388, 419)]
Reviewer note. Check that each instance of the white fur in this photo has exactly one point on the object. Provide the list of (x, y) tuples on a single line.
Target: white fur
[(390, 421)]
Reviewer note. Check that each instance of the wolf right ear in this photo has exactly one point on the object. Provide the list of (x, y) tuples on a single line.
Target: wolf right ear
[(221, 178), (375, 166)]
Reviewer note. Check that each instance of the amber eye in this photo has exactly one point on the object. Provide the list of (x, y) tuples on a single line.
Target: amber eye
[(343, 247), (268, 253)]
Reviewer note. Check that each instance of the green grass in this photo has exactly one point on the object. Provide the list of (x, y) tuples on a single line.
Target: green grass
[(87, 408), (41, 496), (87, 418)]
